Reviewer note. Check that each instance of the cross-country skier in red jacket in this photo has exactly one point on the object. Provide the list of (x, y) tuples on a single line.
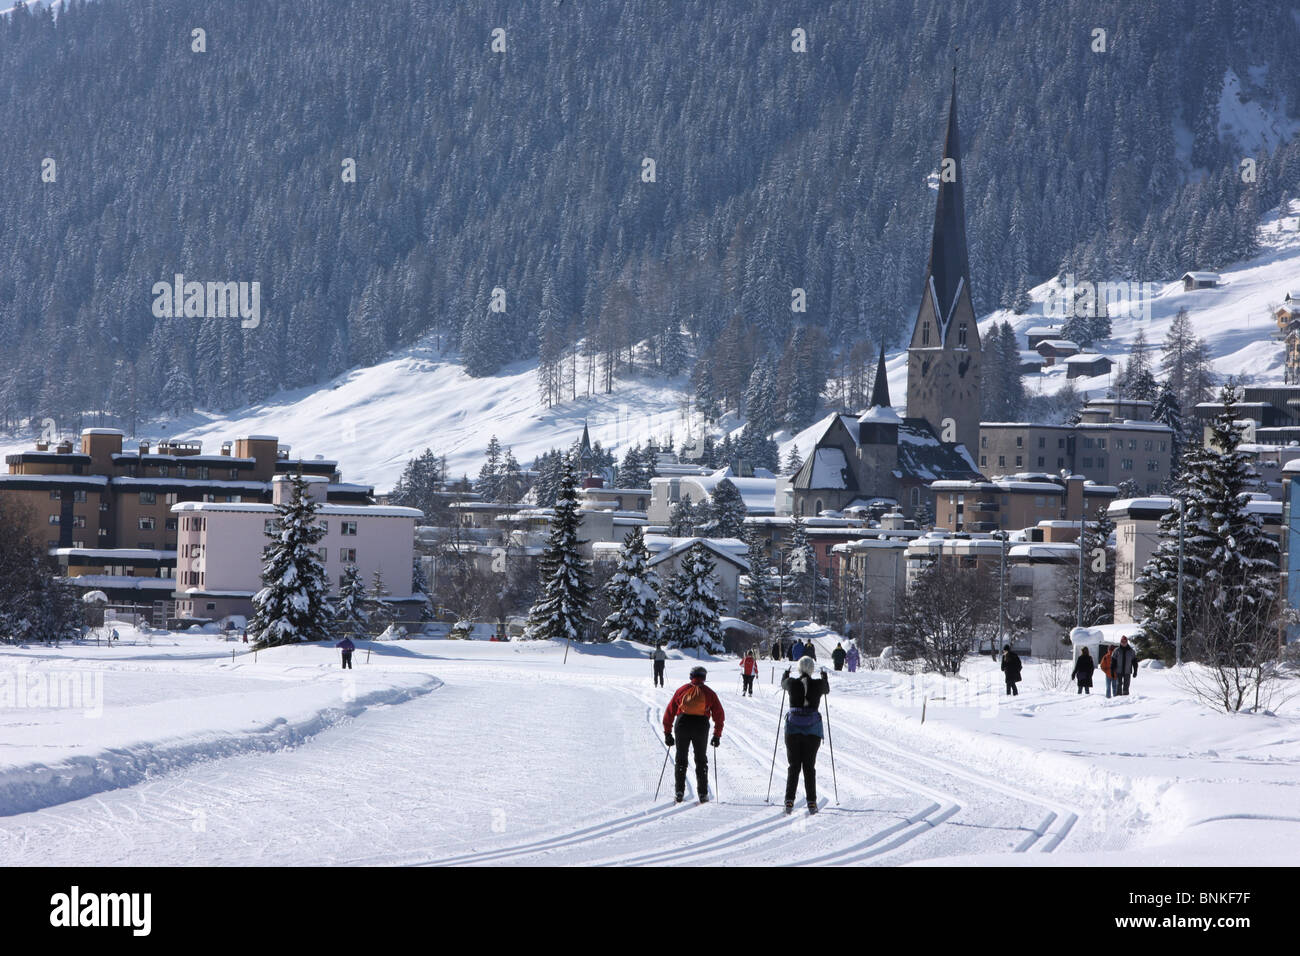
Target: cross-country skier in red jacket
[(748, 671), (692, 706)]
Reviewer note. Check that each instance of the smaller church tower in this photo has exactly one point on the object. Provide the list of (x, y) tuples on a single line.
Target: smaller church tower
[(943, 357), (878, 438)]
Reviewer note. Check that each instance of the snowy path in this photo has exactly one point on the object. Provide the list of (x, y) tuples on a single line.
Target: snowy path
[(518, 761)]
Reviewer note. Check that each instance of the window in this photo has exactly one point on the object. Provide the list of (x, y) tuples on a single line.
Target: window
[(1101, 461), (1126, 464), (54, 519), (169, 524), (325, 526), (925, 333), (1042, 462), (984, 441), (103, 506), (170, 498), (349, 528), (79, 497), (1087, 443), (984, 460), (210, 498), (162, 471), (1040, 501), (1153, 464), (148, 498), (1019, 461), (56, 495), (1060, 443), (103, 532), (1002, 460), (203, 471), (1164, 446), (1148, 445), (324, 554), (182, 471), (1020, 441), (144, 545), (269, 526), (1087, 463), (78, 521), (147, 523), (961, 336), (1101, 443), (234, 473), (1132, 444), (1042, 442), (348, 555)]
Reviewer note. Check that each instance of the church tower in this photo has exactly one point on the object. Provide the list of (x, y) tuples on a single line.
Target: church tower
[(943, 358)]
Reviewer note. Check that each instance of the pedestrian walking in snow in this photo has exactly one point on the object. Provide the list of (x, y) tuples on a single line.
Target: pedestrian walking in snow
[(803, 730), (796, 651), (776, 649), (809, 650), (1011, 669), (1108, 668), (837, 657), (1083, 671), (748, 671), (686, 724), (659, 656), (790, 653), (854, 658), (1124, 664), (347, 647)]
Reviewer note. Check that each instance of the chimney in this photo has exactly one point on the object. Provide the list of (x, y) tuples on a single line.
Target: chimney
[(144, 448), (225, 449), (1073, 497)]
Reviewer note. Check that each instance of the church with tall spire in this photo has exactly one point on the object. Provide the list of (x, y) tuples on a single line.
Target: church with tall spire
[(943, 357), (877, 457)]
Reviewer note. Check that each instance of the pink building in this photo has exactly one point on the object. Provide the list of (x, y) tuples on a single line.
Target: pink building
[(219, 549)]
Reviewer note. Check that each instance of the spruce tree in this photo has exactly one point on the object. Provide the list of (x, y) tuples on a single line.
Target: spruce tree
[(691, 616), (378, 607), (293, 604), (682, 518), (726, 511), (1227, 556), (633, 593), (350, 609), (561, 610), (793, 461), (758, 605), (1167, 411)]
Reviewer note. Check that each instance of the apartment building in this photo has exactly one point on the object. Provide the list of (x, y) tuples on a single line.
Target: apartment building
[(220, 544), (1017, 501)]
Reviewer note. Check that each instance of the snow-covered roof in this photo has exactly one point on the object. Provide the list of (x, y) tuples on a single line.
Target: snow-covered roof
[(882, 414), (1029, 355), (1043, 330), (120, 581), (123, 554), (97, 481), (759, 494), (725, 548), (1202, 276), (1155, 504), (1085, 358), (103, 431), (1036, 551), (829, 469), (1059, 344), (376, 511)]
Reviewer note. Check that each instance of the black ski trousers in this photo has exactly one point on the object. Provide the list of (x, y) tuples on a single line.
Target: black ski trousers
[(347, 660), (659, 673), (748, 686), (801, 752), (692, 731)]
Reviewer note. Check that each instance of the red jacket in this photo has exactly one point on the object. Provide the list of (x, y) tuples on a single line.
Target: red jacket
[(749, 665), (712, 707)]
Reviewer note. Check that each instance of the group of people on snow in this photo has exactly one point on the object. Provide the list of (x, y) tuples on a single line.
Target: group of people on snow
[(1118, 664)]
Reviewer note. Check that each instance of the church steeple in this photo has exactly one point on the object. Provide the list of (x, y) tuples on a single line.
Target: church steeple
[(943, 358), (947, 274), (880, 388)]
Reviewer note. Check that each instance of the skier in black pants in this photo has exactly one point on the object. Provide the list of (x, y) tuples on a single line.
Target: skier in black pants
[(691, 707), (659, 656), (803, 730), (347, 647)]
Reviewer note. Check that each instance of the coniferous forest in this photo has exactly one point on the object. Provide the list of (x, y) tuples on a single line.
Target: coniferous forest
[(524, 171)]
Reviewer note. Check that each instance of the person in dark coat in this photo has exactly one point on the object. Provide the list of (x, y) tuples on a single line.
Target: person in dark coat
[(1083, 671), (838, 655), (347, 647), (687, 716), (796, 651), (1011, 669), (1124, 665), (776, 650), (803, 730), (658, 657), (809, 650)]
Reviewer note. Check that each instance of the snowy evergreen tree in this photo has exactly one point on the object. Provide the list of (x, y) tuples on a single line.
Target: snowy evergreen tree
[(561, 610), (1167, 411), (1186, 362), (350, 611), (633, 593), (293, 604), (379, 609), (725, 511), (793, 461), (489, 483), (690, 617), (683, 517), (923, 516), (758, 593), (1228, 559)]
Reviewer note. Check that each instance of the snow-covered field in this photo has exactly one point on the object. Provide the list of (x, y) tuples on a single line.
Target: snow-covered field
[(473, 752)]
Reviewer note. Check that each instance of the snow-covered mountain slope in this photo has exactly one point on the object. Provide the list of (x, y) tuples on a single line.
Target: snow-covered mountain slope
[(372, 420)]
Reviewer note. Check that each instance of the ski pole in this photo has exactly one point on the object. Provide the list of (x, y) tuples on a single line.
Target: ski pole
[(667, 750), (771, 772), (717, 791), (831, 740)]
